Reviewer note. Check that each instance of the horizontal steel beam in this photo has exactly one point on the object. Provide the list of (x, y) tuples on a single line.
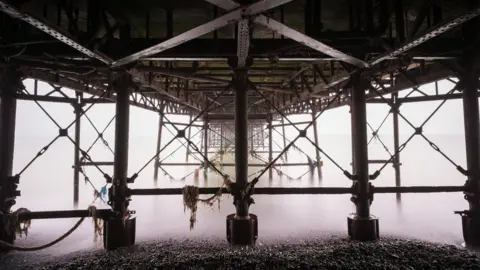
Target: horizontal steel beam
[(419, 98), (60, 99), (203, 29), (306, 190), (96, 163), (230, 116), (101, 213), (308, 41), (233, 164)]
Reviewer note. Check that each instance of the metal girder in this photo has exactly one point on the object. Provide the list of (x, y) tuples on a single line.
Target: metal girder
[(430, 34), (51, 30), (293, 34), (63, 37), (145, 102), (243, 42), (201, 30), (308, 41), (441, 97)]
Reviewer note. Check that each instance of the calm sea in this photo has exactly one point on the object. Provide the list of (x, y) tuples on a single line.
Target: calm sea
[(48, 183)]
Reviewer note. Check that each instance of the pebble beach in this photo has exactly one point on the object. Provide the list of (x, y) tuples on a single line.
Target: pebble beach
[(329, 252)]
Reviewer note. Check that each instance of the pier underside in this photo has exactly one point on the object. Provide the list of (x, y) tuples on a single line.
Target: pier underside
[(238, 69)]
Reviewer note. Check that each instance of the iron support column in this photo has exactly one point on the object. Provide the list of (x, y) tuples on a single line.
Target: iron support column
[(120, 166), (471, 220), (284, 139), (315, 134), (189, 135), (11, 83), (205, 144), (241, 137), (78, 108), (242, 227), (361, 226), (353, 134), (396, 140), (119, 231), (222, 151), (159, 143), (270, 145)]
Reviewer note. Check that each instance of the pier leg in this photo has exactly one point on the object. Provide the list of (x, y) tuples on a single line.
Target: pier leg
[(159, 144), (205, 149), (221, 144), (396, 142), (471, 219), (76, 152), (189, 135), (11, 83), (284, 135), (361, 225), (241, 226), (119, 231), (270, 146), (315, 134)]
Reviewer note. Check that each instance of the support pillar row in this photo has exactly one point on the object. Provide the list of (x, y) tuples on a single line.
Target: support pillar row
[(361, 226), (119, 231)]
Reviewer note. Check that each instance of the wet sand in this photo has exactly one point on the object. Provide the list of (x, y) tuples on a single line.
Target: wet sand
[(329, 252)]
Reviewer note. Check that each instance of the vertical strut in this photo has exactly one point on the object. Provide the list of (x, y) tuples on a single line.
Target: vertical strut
[(241, 136), (205, 144), (270, 145), (11, 82), (361, 226), (315, 134), (284, 139), (472, 134), (76, 152), (189, 135), (8, 110), (396, 141), (159, 143), (120, 167), (119, 230), (359, 120)]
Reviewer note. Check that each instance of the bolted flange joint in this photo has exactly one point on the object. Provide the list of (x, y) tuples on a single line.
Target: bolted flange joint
[(357, 196)]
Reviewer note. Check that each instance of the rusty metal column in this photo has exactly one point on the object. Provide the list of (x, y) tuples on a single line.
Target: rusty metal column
[(315, 134), (396, 141), (270, 145), (241, 136), (159, 143), (361, 226), (189, 135), (205, 144), (120, 230), (78, 108), (471, 218), (11, 83), (284, 139), (242, 227)]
